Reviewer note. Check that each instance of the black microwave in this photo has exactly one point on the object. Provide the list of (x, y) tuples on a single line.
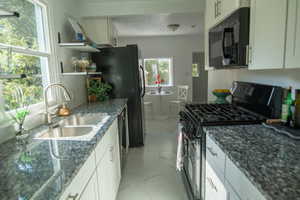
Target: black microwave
[(229, 41)]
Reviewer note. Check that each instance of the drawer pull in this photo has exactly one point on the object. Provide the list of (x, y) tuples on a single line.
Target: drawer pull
[(72, 197), (212, 184), (212, 151)]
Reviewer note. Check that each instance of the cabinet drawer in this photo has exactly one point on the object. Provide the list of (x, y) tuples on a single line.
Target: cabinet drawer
[(214, 187), (105, 142), (81, 179), (216, 157), (240, 183)]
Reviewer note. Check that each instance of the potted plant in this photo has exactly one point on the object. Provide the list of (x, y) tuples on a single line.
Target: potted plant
[(20, 113), (98, 91)]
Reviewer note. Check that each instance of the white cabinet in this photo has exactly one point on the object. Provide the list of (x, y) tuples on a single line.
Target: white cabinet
[(293, 35), (91, 190), (217, 10), (108, 169), (101, 30), (100, 175), (214, 188), (81, 180), (267, 34)]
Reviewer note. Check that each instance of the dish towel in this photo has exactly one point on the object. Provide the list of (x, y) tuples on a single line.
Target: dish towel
[(179, 162)]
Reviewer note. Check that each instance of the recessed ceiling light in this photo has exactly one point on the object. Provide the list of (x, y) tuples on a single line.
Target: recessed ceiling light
[(173, 27)]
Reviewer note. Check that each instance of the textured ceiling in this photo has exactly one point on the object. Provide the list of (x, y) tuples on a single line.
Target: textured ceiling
[(156, 25)]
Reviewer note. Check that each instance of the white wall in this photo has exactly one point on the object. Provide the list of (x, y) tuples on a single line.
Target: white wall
[(283, 77), (60, 12), (180, 48)]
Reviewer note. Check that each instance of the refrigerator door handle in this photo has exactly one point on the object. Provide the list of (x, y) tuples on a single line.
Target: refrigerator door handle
[(144, 81)]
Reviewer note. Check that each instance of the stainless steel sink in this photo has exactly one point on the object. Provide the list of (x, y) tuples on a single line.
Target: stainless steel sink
[(65, 132), (76, 127), (92, 119)]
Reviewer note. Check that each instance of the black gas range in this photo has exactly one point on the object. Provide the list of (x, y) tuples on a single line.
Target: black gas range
[(251, 104)]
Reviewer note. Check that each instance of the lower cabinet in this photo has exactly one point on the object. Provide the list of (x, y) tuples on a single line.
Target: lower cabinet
[(100, 175), (234, 186), (91, 190), (214, 187)]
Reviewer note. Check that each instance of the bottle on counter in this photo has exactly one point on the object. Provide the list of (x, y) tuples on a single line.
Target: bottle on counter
[(297, 109), (286, 115)]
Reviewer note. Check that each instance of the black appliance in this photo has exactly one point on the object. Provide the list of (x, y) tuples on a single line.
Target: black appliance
[(123, 136), (251, 104), (120, 68), (229, 41)]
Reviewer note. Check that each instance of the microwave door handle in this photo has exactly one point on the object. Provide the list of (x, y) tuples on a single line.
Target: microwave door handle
[(226, 30)]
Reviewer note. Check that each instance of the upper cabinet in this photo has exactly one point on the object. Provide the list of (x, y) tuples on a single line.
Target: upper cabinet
[(293, 35), (267, 34), (101, 30), (216, 10)]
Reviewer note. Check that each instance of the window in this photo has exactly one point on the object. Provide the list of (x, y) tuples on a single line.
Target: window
[(24, 52), (161, 67), (195, 72)]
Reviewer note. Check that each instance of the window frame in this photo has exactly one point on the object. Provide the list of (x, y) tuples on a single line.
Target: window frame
[(47, 53), (171, 74)]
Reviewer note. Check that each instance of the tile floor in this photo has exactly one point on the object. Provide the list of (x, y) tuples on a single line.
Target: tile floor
[(150, 173)]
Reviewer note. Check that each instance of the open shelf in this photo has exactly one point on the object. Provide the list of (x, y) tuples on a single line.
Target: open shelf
[(80, 73), (79, 46)]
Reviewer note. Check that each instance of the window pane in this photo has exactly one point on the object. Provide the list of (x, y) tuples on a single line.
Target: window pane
[(25, 31), (164, 71), (151, 66), (32, 85)]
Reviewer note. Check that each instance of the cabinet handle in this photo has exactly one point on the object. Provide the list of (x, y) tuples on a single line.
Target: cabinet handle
[(213, 186), (212, 151), (111, 150), (73, 197)]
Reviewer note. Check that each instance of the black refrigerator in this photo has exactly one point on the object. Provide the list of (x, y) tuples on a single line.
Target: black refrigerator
[(120, 68)]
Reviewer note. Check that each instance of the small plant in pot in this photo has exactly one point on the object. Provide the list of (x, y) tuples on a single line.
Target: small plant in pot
[(20, 113), (98, 91)]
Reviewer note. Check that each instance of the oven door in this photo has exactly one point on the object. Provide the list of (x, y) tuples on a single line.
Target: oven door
[(192, 166)]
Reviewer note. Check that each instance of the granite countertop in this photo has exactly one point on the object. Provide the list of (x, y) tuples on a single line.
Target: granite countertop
[(271, 161), (35, 172)]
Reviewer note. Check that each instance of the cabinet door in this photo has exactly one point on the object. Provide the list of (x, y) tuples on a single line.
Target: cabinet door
[(293, 35), (214, 188), (210, 13), (91, 190), (267, 34), (98, 29), (105, 181), (116, 163)]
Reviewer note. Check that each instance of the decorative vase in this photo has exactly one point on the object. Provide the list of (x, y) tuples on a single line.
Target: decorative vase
[(159, 88), (221, 97)]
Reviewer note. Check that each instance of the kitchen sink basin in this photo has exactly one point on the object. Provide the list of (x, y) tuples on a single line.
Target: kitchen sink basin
[(82, 127), (65, 133), (91, 119)]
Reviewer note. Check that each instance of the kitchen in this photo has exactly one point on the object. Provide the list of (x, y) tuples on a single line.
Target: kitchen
[(104, 150)]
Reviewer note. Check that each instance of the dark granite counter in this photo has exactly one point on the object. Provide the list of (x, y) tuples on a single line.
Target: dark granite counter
[(271, 161), (38, 171)]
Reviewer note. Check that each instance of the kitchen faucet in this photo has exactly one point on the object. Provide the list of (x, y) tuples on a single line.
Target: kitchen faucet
[(67, 98)]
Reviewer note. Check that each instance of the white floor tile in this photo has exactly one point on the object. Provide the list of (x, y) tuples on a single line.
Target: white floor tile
[(150, 172)]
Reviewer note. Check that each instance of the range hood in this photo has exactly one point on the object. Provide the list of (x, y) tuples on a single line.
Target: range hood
[(6, 13)]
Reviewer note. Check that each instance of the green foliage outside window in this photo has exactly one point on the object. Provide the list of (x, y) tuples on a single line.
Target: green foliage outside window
[(153, 67), (195, 71), (22, 32)]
